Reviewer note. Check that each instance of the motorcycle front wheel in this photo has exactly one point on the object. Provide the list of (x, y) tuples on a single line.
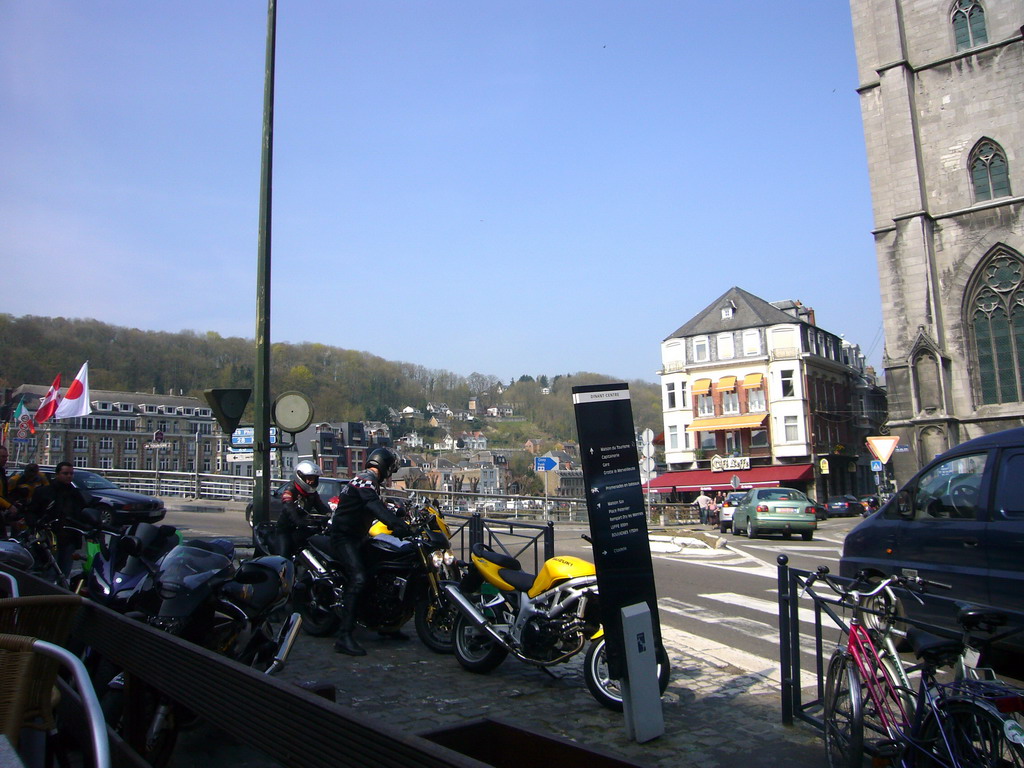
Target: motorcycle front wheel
[(435, 622), (475, 650), (606, 689), (317, 620)]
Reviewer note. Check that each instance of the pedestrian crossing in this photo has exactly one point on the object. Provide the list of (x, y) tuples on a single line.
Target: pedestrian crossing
[(752, 618)]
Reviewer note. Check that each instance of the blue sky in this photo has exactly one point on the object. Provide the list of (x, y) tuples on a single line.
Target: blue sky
[(538, 186)]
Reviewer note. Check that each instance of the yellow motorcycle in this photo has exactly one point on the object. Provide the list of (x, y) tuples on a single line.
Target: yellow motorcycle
[(542, 620)]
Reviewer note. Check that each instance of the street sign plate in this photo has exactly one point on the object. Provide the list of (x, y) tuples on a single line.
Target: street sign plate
[(544, 463), (247, 436), (883, 446), (876, 465)]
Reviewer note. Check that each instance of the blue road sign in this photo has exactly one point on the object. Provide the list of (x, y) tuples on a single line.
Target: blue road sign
[(876, 465), (246, 436), (544, 464)]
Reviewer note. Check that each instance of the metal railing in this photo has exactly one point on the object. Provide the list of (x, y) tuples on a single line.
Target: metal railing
[(791, 583)]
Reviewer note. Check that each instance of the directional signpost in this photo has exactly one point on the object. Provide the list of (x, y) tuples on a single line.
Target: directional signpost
[(622, 552), (544, 464)]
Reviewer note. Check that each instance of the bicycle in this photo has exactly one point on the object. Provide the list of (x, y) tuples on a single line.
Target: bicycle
[(961, 724)]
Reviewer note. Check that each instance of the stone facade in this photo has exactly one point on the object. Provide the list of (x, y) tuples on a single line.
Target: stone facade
[(927, 109)]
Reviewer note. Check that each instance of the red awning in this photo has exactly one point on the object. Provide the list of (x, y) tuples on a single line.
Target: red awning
[(662, 483), (755, 477)]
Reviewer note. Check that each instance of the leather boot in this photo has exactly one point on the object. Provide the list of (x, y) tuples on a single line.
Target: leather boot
[(345, 642)]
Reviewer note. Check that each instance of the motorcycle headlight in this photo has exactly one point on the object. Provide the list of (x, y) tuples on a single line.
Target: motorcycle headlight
[(104, 587), (442, 557)]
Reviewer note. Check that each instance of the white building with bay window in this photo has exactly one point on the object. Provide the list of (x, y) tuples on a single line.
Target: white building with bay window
[(757, 391)]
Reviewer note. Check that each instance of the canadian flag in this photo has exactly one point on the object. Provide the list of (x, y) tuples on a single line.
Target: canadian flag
[(76, 399), (49, 404)]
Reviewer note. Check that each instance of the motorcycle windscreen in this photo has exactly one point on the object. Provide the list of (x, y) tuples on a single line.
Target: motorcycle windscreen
[(187, 574)]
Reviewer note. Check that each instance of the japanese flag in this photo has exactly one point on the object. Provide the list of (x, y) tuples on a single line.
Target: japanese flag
[(49, 404), (76, 399)]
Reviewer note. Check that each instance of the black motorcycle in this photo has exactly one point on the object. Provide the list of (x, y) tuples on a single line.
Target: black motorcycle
[(197, 593), (405, 579), (118, 561)]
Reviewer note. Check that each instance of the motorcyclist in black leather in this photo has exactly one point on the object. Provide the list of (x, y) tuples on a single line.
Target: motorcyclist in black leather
[(299, 500), (359, 504)]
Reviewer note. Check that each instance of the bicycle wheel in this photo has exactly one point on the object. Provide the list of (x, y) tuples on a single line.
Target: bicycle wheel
[(844, 713), (976, 733)]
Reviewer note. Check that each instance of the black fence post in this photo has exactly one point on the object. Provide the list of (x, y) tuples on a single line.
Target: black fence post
[(476, 529), (549, 541), (785, 644)]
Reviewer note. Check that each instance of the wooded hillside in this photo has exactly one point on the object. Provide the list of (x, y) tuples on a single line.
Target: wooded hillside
[(344, 385)]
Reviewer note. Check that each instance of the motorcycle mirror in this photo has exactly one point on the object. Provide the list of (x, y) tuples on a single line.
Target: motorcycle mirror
[(131, 545), (90, 518)]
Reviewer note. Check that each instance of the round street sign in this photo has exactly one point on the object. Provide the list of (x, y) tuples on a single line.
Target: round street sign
[(647, 464), (735, 482), (647, 437), (293, 412), (158, 436)]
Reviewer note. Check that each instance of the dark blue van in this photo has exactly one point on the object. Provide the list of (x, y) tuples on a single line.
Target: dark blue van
[(959, 521)]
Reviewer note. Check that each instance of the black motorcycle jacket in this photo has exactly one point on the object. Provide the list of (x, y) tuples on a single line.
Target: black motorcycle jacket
[(298, 506), (359, 504)]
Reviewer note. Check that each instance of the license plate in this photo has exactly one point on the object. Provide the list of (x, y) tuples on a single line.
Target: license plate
[(785, 509)]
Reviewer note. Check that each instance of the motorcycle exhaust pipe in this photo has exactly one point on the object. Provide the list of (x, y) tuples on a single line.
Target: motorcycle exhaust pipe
[(470, 611), (289, 632), (313, 562)]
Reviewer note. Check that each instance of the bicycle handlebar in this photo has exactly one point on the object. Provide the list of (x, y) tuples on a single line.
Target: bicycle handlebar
[(913, 584)]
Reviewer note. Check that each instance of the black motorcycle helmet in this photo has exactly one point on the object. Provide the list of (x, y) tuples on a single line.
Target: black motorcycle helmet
[(385, 460)]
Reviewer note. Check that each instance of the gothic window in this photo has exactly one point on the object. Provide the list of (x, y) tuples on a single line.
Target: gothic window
[(996, 319), (968, 18), (990, 175)]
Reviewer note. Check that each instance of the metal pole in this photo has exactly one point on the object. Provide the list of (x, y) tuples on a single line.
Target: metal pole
[(785, 647), (261, 388), (197, 463)]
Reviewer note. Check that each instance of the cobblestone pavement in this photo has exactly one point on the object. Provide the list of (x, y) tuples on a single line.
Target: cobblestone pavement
[(715, 715)]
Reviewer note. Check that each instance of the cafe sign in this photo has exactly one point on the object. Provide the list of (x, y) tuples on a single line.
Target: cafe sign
[(729, 463)]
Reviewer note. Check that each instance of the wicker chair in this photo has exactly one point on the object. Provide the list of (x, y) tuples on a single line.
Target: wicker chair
[(20, 658), (48, 618), (16, 658)]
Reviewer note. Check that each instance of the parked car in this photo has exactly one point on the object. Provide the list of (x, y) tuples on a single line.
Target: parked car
[(959, 521), (115, 505), (775, 510), (728, 507), (327, 487), (843, 506), (820, 513)]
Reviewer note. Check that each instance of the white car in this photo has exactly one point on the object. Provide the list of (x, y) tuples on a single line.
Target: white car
[(728, 507)]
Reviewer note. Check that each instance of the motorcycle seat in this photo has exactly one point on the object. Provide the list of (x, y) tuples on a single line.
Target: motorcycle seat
[(520, 579), (501, 560)]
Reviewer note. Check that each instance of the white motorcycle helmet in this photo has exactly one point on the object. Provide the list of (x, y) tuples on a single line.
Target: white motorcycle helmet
[(307, 476)]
